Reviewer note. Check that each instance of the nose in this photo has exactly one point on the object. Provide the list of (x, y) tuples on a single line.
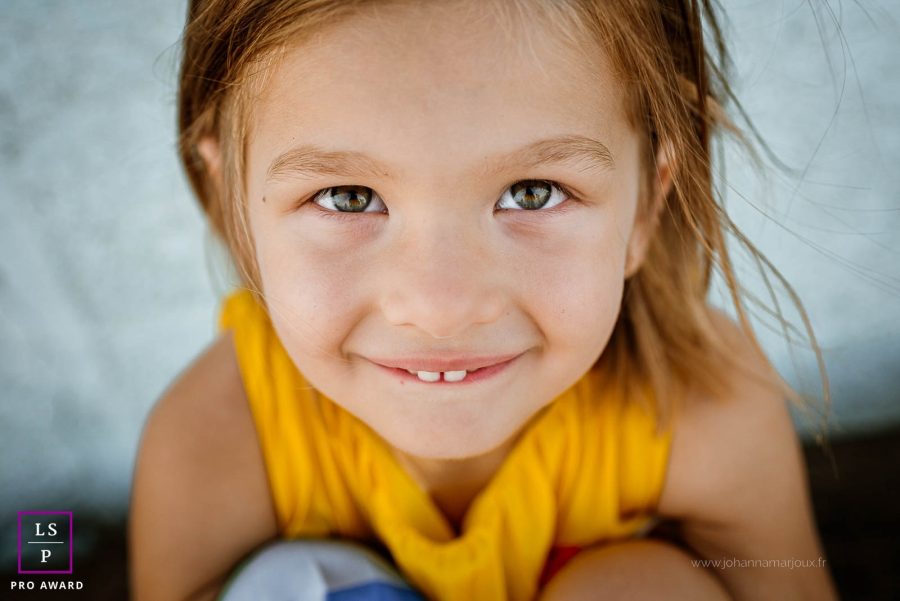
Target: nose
[(442, 280)]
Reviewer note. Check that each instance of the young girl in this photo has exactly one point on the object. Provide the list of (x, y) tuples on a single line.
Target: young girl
[(475, 240)]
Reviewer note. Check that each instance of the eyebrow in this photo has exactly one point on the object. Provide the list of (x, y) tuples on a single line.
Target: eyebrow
[(307, 160)]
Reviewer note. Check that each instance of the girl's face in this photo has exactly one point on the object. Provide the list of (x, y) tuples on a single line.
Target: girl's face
[(442, 189)]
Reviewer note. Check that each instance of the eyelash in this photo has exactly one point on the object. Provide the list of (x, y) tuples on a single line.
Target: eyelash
[(561, 207)]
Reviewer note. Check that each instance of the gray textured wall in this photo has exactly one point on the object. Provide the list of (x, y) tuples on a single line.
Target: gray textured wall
[(105, 290)]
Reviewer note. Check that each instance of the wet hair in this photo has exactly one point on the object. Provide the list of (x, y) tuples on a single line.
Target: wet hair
[(671, 57)]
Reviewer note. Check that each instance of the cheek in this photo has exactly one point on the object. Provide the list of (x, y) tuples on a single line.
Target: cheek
[(575, 283), (313, 289)]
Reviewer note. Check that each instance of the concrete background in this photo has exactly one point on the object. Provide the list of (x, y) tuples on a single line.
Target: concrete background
[(109, 281)]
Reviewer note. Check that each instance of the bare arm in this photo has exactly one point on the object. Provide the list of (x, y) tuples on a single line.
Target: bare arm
[(200, 499), (737, 484)]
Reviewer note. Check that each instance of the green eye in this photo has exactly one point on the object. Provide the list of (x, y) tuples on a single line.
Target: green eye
[(532, 194), (345, 199)]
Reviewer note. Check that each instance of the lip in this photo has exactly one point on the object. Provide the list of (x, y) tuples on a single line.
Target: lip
[(458, 363), (477, 375)]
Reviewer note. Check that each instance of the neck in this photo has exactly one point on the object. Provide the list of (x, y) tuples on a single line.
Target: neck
[(454, 483)]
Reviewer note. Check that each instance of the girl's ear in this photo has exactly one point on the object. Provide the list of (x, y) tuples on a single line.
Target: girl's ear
[(647, 217), (209, 150)]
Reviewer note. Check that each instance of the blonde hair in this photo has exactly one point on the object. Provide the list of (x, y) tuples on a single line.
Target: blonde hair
[(665, 340)]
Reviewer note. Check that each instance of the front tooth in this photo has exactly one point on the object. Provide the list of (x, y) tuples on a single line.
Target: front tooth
[(429, 376), (454, 376)]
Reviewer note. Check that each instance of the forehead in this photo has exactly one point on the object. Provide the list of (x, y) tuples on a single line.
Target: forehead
[(429, 83)]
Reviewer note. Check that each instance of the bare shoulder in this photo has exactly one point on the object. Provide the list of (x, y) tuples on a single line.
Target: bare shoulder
[(724, 442), (200, 497), (737, 482)]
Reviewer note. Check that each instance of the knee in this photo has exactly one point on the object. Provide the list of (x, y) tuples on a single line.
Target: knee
[(636, 569)]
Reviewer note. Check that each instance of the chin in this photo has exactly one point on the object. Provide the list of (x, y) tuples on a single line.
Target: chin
[(444, 444), (443, 452)]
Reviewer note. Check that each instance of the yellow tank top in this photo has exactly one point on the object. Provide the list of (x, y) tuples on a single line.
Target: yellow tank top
[(588, 468)]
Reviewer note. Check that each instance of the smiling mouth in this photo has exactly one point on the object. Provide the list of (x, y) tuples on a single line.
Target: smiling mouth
[(455, 378)]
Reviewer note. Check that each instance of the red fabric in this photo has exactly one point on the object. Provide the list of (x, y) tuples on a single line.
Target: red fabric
[(556, 559)]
